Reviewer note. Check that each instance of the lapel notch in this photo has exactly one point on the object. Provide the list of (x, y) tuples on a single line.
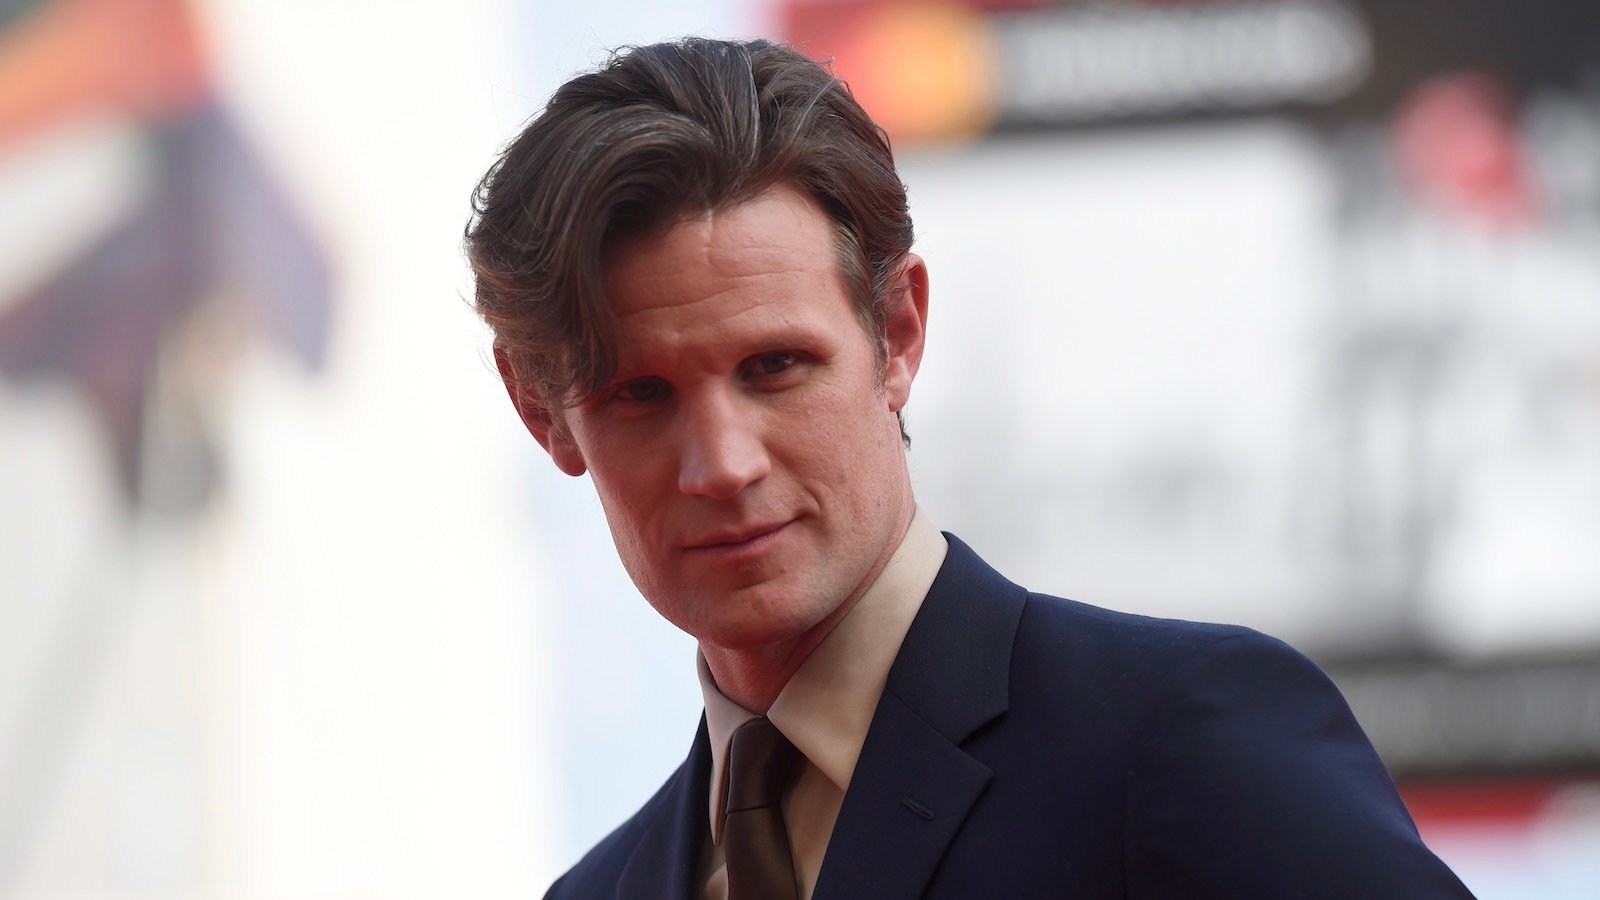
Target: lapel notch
[(954, 668)]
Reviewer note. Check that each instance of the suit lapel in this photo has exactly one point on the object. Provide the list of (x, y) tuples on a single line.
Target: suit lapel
[(911, 791), (664, 864), (914, 785)]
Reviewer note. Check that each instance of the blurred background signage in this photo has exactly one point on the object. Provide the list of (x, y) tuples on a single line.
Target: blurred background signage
[(950, 69)]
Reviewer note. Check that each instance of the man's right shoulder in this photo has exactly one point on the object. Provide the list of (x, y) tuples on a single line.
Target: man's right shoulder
[(597, 874)]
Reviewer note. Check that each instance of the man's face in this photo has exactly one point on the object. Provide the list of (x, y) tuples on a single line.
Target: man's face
[(747, 453)]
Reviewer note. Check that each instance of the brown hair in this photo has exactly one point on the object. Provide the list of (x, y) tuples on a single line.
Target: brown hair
[(659, 133)]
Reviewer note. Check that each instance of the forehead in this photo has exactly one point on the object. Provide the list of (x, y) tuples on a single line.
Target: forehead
[(777, 242)]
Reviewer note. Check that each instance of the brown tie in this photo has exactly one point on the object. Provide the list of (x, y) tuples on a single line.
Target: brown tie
[(755, 841)]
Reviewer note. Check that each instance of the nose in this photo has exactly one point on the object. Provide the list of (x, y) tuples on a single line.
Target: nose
[(722, 449)]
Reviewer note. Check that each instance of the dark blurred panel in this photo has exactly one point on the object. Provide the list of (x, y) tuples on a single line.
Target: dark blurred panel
[(1440, 719)]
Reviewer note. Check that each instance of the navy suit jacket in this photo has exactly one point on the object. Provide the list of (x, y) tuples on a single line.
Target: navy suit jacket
[(1028, 746)]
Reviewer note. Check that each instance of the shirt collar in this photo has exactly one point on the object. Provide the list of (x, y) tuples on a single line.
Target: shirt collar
[(827, 706)]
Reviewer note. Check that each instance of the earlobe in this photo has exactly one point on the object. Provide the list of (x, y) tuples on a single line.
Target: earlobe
[(552, 436), (906, 331)]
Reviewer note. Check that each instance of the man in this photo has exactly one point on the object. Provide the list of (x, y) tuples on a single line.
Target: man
[(697, 265)]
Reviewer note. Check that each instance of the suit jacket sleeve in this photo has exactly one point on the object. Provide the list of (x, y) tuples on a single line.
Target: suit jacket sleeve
[(1250, 778)]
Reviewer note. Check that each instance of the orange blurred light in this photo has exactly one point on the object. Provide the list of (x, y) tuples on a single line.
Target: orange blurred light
[(924, 71)]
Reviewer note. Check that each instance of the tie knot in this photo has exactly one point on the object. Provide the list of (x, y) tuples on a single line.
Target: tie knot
[(760, 763)]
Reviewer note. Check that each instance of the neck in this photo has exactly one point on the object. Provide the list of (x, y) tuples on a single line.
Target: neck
[(754, 677)]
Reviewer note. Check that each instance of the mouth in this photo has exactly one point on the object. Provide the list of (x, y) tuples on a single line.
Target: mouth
[(745, 539)]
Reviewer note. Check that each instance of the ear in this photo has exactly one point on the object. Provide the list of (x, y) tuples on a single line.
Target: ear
[(906, 330), (552, 436)]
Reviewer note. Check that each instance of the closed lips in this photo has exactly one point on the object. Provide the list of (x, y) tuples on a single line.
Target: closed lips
[(730, 539)]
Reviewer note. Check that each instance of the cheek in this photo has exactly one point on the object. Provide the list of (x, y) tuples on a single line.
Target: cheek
[(842, 453), (623, 471), (628, 507)]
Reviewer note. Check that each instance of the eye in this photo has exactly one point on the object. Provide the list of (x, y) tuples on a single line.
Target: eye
[(645, 390), (768, 365)]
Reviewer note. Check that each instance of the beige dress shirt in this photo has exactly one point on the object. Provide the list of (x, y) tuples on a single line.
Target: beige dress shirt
[(825, 708)]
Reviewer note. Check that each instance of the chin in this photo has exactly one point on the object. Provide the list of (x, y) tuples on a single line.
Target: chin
[(755, 632), (750, 636)]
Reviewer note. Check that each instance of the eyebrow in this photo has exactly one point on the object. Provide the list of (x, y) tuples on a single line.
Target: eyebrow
[(779, 337)]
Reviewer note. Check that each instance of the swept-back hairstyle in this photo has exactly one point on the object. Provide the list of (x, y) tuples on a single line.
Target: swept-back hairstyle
[(658, 134)]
